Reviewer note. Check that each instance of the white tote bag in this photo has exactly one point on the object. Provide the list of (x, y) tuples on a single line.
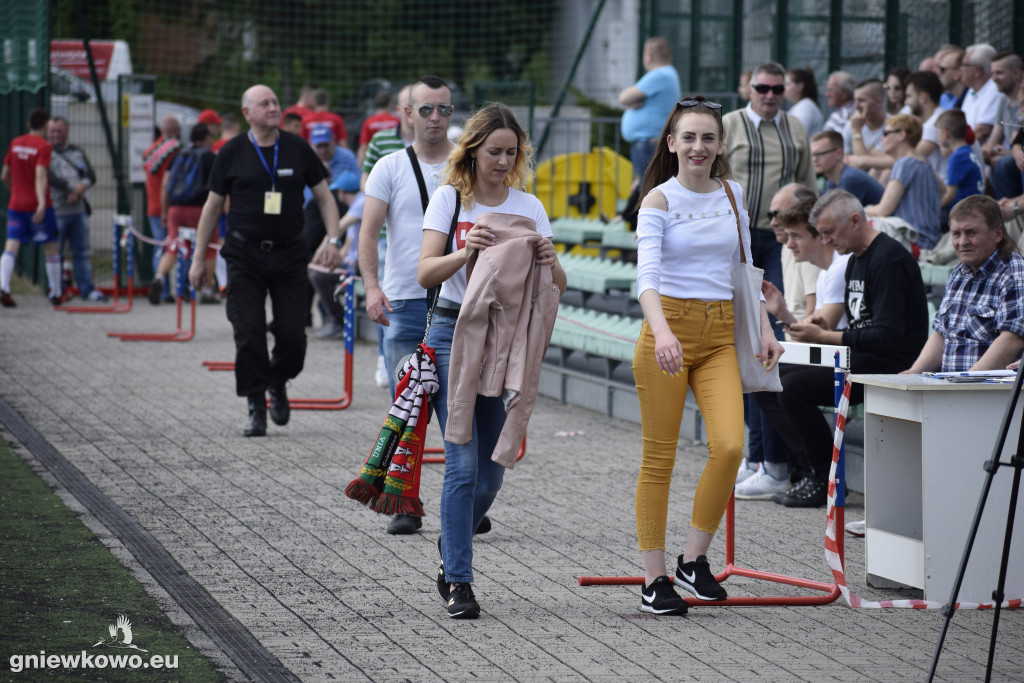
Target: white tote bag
[(746, 307)]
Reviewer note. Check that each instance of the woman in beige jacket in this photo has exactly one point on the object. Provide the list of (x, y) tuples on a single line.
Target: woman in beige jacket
[(485, 176)]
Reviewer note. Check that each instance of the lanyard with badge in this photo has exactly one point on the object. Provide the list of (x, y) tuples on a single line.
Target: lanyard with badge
[(272, 199)]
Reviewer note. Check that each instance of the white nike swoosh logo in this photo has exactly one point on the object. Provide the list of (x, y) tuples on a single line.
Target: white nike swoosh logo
[(689, 578), (648, 600)]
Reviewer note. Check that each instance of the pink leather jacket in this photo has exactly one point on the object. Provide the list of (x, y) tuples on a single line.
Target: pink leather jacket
[(502, 333)]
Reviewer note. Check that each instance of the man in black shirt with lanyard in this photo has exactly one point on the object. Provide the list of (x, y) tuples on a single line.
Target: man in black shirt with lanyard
[(264, 173)]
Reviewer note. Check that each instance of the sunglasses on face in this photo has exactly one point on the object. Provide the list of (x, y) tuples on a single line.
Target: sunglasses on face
[(426, 110), (762, 89), (891, 132), (686, 104), (772, 214), (823, 152)]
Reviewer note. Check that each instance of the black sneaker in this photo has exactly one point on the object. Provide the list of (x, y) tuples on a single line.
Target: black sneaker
[(779, 497), (697, 578), (813, 495), (443, 589), (402, 525), (661, 598), (462, 603), (485, 525)]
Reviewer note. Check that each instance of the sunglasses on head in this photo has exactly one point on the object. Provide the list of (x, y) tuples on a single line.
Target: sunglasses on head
[(426, 110), (762, 89), (693, 103)]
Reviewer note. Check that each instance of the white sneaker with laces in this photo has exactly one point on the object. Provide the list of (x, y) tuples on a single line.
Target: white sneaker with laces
[(381, 376), (745, 472), (855, 528), (761, 486)]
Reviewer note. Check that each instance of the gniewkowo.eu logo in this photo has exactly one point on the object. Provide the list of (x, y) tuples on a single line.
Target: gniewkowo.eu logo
[(121, 638)]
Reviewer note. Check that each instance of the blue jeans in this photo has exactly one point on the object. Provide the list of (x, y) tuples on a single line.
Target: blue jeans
[(1007, 179), (765, 445), (407, 321), (159, 233), (640, 153), (74, 231), (471, 478)]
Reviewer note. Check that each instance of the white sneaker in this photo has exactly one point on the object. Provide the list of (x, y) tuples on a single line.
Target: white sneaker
[(381, 376), (855, 528), (745, 472), (761, 486)]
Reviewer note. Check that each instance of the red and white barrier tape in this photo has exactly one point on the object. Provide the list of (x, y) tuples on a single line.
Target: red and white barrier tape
[(835, 562), (148, 240), (164, 242)]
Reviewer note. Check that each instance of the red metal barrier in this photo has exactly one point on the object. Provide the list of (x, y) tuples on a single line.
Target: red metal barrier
[(831, 590), (114, 306), (178, 335)]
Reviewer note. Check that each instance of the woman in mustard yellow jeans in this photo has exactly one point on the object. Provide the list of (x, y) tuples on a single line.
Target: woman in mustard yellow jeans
[(688, 244)]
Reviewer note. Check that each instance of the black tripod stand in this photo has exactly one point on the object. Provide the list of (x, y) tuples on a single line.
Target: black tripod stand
[(991, 467)]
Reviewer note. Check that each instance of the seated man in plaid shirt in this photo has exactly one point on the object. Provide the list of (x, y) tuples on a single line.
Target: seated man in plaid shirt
[(980, 324)]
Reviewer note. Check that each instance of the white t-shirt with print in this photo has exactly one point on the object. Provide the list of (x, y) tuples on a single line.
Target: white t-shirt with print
[(392, 181), (439, 218)]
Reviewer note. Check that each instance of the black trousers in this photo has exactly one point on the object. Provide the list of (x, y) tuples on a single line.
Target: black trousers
[(252, 275), (796, 418)]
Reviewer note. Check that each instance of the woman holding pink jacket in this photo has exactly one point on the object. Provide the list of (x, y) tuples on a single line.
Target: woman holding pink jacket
[(485, 175)]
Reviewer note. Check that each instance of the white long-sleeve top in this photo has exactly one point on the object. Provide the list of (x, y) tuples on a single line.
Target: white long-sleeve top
[(689, 251)]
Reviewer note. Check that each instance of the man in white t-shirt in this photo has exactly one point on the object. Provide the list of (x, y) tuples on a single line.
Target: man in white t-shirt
[(983, 101), (862, 135), (803, 242), (393, 193), (923, 92), (1006, 73)]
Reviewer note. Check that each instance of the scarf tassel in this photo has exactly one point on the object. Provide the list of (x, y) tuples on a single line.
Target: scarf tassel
[(367, 487), (402, 484)]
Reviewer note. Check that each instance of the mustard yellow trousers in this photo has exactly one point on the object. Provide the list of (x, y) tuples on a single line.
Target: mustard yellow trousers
[(705, 331)]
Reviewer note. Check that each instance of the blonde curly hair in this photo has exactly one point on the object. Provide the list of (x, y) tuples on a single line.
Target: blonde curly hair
[(461, 168)]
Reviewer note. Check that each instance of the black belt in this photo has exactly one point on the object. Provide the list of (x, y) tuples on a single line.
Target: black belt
[(261, 245), (447, 309)]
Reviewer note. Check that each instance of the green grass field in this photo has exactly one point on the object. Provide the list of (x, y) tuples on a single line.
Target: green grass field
[(61, 590)]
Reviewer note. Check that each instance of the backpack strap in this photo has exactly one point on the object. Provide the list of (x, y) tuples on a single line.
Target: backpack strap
[(424, 197)]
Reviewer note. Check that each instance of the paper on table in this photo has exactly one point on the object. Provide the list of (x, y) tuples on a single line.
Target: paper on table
[(975, 375)]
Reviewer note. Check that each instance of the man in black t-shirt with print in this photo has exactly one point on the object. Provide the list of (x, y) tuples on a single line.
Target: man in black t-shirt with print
[(888, 326), (264, 173)]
